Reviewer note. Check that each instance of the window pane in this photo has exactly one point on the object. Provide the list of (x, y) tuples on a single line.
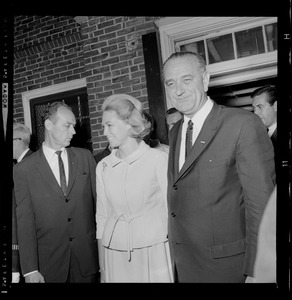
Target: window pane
[(220, 48), (272, 36), (249, 42), (196, 47)]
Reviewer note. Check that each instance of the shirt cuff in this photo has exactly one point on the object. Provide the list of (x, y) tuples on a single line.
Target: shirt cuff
[(15, 247), (15, 277)]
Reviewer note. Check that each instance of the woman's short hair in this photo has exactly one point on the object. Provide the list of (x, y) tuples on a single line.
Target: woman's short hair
[(130, 110)]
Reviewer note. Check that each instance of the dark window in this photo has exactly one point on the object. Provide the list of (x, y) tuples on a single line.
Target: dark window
[(272, 36), (220, 48), (77, 100), (250, 42)]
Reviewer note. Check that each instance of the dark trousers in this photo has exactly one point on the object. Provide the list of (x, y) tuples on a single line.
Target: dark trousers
[(75, 276)]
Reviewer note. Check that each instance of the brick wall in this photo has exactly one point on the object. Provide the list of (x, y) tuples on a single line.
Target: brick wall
[(107, 51)]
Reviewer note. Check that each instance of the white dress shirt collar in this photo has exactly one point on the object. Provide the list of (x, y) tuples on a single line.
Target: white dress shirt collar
[(52, 159), (22, 155), (272, 128), (198, 120)]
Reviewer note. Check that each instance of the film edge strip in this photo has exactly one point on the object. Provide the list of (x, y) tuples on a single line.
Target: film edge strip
[(6, 44)]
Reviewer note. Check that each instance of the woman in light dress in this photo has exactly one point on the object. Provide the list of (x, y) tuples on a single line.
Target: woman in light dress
[(131, 199)]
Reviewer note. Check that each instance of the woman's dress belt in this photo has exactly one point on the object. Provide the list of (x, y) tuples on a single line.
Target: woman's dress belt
[(128, 220)]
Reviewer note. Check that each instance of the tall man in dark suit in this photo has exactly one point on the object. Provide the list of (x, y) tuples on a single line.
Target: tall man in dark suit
[(55, 198), (264, 102), (21, 140), (218, 190), (102, 153)]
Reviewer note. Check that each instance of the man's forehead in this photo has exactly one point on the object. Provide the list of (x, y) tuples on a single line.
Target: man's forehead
[(260, 99), (181, 66), (173, 117), (66, 115)]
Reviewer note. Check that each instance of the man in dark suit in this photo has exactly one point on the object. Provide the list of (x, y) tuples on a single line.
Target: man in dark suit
[(55, 206), (21, 140), (102, 153), (172, 116), (218, 190), (264, 102)]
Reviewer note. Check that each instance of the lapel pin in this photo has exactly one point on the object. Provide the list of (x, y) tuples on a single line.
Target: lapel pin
[(203, 142)]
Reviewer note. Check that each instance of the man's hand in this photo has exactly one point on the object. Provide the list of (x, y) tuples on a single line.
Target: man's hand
[(35, 277)]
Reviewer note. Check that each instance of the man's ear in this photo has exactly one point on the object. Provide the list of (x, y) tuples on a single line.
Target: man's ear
[(48, 124), (206, 79), (275, 105)]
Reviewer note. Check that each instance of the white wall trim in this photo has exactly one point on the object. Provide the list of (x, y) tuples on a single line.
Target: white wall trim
[(49, 90), (187, 28)]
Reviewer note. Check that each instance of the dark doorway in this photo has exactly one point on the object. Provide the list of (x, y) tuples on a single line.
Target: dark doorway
[(78, 101), (238, 95), (155, 91)]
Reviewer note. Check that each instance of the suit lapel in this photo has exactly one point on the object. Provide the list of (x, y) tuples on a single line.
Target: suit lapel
[(28, 153), (204, 138), (45, 170), (174, 143), (72, 164)]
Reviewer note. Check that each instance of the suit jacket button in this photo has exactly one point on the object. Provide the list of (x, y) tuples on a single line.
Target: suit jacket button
[(173, 214), (71, 239), (69, 219), (67, 200), (175, 187)]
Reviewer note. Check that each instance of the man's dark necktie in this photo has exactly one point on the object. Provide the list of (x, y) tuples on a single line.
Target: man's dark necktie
[(189, 137), (62, 173)]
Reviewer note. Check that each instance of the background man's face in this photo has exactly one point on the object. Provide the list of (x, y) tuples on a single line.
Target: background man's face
[(264, 110)]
